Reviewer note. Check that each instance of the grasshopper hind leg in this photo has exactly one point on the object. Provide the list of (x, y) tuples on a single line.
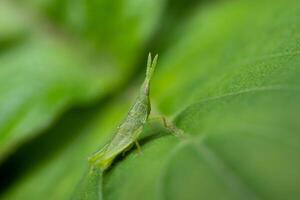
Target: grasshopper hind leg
[(138, 146), (126, 149), (130, 146)]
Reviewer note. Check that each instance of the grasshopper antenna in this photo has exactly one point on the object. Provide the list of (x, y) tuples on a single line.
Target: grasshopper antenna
[(151, 64)]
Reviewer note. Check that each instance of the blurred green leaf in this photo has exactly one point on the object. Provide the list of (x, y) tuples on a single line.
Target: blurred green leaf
[(230, 81), (12, 25), (119, 30), (45, 70), (40, 79)]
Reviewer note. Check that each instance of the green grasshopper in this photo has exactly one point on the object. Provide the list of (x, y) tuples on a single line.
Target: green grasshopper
[(129, 131)]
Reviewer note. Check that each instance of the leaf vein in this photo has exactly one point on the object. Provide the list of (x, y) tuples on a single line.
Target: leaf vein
[(230, 178)]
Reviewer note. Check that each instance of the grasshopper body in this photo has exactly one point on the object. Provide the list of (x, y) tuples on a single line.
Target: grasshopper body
[(129, 131)]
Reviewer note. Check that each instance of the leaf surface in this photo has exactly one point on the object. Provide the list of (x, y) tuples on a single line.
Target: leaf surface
[(230, 81)]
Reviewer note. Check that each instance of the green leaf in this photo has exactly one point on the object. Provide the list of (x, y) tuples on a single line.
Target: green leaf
[(40, 79), (230, 81), (90, 186)]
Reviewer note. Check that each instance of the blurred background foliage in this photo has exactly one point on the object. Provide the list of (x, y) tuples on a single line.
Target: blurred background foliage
[(228, 75)]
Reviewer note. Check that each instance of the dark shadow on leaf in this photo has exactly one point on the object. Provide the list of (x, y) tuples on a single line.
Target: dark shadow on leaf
[(6, 44)]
